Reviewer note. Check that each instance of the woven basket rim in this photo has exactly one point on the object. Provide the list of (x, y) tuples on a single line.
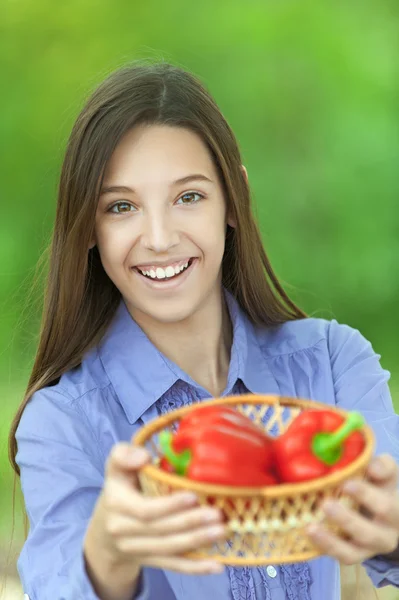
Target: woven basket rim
[(277, 491)]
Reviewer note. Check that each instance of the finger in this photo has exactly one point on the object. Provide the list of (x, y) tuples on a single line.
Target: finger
[(123, 462), (178, 543), (118, 526), (184, 565), (153, 508), (383, 505), (187, 520), (122, 525), (330, 544), (384, 470), (364, 533), (131, 502)]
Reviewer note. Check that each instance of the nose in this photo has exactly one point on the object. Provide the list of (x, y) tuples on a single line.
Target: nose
[(159, 234)]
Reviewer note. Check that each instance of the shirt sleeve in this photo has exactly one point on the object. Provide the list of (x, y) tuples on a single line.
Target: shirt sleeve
[(360, 383), (62, 473)]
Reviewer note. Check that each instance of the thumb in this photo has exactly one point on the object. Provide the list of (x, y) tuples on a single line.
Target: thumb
[(125, 459), (384, 471)]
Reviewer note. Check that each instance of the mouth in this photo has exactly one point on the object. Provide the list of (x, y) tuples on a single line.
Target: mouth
[(164, 275)]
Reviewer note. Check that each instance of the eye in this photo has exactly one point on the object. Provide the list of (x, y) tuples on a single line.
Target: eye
[(187, 197), (120, 203)]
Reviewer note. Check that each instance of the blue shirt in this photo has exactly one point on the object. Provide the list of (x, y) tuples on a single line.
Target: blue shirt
[(68, 430)]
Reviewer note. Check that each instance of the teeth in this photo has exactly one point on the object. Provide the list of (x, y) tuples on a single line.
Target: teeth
[(169, 271)]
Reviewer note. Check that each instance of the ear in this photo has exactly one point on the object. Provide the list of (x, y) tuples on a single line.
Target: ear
[(244, 170), (230, 220)]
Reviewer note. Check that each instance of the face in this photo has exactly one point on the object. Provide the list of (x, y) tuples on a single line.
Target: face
[(161, 240)]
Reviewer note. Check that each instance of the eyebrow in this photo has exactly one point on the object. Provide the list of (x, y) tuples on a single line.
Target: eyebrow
[(123, 188)]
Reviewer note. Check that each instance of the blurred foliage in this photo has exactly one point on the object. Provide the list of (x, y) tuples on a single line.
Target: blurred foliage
[(311, 90)]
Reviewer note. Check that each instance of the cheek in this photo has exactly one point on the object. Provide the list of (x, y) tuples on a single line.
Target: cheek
[(209, 229), (113, 245), (216, 236)]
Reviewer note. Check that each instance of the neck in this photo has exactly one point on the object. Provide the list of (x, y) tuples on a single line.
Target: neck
[(199, 345)]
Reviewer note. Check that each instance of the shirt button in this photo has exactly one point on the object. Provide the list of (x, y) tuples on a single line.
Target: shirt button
[(26, 597), (271, 571)]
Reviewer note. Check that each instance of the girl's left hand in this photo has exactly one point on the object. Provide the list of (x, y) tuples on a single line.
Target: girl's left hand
[(374, 531)]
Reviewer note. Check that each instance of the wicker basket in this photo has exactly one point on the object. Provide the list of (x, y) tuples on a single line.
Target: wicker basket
[(264, 524)]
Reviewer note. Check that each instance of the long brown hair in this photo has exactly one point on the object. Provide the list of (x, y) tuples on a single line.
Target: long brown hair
[(79, 299)]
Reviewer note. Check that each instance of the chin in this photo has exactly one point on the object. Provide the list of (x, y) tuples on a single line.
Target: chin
[(168, 314), (175, 317), (171, 308)]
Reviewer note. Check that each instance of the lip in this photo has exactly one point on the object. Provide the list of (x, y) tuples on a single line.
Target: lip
[(163, 285), (163, 264)]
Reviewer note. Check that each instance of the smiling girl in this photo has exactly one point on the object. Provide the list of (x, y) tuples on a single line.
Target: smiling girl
[(159, 295)]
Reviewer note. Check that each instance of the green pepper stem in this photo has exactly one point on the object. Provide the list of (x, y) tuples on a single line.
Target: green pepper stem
[(179, 461), (327, 446)]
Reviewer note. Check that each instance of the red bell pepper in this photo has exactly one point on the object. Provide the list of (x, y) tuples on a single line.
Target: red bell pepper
[(316, 443), (193, 423), (201, 414), (165, 465), (220, 446)]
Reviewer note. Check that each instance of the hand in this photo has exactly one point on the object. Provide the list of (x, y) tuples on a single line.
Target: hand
[(374, 531), (152, 531)]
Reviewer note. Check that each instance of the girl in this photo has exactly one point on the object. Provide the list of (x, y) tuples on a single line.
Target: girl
[(160, 294)]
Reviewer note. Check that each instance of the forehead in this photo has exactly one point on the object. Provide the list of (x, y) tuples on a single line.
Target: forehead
[(161, 152)]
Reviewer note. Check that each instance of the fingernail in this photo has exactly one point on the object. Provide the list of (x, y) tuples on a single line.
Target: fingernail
[(330, 508), (378, 466), (351, 487), (216, 568), (216, 531), (313, 530), (121, 452), (190, 499), (137, 455), (211, 516)]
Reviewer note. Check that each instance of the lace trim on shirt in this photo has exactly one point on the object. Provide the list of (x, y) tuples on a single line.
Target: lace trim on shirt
[(297, 580), (242, 583), (179, 395)]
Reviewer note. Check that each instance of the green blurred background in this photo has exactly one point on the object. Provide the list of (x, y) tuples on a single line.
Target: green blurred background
[(311, 90)]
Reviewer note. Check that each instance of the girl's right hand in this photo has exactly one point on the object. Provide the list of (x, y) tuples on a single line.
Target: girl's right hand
[(152, 531)]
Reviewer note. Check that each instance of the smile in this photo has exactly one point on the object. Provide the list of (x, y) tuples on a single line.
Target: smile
[(165, 272)]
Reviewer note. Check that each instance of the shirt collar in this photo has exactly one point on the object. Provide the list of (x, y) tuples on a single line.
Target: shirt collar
[(140, 374)]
